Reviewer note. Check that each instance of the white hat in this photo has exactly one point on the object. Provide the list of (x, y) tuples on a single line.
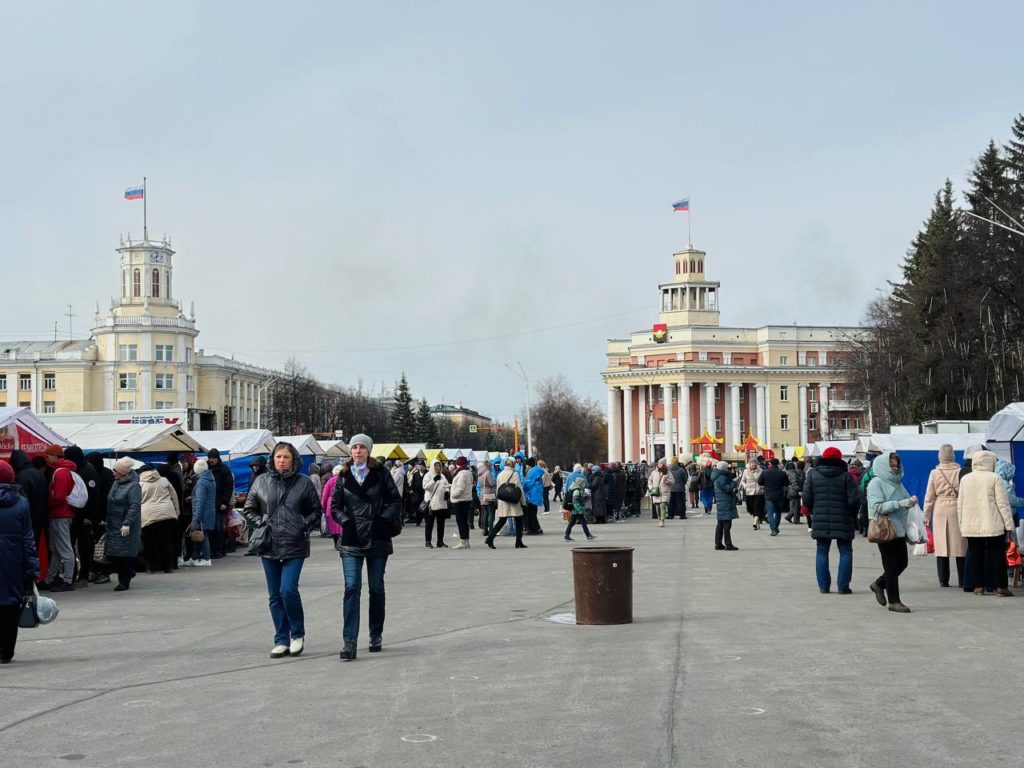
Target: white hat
[(200, 466)]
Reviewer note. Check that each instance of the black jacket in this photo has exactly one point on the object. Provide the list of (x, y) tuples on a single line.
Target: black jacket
[(369, 514), (775, 482), (35, 487), (291, 524), (95, 509), (225, 485), (833, 498), (680, 477), (19, 562)]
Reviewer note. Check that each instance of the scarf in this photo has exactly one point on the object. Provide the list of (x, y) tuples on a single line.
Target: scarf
[(360, 471)]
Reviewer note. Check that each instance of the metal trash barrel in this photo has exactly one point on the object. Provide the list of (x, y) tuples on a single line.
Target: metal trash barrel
[(603, 584)]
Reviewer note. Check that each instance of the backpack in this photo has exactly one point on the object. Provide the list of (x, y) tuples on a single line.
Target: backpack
[(79, 495)]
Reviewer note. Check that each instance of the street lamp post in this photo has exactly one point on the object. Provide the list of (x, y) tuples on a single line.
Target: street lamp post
[(521, 373), (259, 400)]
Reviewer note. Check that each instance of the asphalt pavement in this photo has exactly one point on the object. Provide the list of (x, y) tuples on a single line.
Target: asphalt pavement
[(733, 659)]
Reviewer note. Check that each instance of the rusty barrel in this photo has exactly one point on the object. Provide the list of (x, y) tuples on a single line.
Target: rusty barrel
[(603, 584)]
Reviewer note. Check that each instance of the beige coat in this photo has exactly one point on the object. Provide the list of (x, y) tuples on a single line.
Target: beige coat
[(983, 507), (940, 511), (664, 485), (159, 501), (748, 480), (509, 475)]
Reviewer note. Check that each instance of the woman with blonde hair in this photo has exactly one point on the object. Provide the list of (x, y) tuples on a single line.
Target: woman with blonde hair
[(436, 493), (753, 492), (508, 478)]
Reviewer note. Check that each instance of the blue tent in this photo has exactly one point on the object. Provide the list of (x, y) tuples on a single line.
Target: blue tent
[(237, 449), (920, 454)]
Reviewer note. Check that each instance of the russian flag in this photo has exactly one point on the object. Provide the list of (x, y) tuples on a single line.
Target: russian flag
[(681, 205), (134, 193)]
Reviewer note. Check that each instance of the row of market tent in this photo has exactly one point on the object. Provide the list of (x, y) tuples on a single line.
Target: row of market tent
[(20, 429)]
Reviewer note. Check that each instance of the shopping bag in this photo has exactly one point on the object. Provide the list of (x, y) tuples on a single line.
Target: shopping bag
[(916, 530), (921, 550), (931, 541)]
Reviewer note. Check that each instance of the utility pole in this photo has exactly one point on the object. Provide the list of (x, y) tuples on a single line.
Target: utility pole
[(521, 373), (69, 314)]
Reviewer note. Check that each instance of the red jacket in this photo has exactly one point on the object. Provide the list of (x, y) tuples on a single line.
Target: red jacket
[(60, 486)]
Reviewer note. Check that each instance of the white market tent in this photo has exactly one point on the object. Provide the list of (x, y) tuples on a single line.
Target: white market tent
[(877, 443), (22, 430), (414, 450), (335, 449), (309, 449), (847, 447), (1006, 432), (119, 439), (236, 443)]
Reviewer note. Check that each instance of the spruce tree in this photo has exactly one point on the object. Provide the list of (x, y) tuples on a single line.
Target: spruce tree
[(426, 427), (403, 420)]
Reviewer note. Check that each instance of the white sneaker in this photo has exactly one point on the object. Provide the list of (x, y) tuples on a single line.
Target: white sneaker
[(460, 545), (280, 651), (295, 649), (202, 563), (180, 562)]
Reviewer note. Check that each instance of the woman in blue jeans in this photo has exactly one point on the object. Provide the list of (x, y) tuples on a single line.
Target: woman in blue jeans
[(833, 498), (367, 506), (290, 503)]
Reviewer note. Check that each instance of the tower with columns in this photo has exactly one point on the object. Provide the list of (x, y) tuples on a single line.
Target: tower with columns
[(782, 384)]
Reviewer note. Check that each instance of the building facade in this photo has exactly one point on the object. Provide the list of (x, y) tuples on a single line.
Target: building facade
[(774, 387), (141, 356), (460, 416)]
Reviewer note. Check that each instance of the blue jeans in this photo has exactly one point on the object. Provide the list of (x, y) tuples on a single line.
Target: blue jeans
[(845, 563), (707, 498), (285, 602), (774, 514), (353, 567), (201, 551)]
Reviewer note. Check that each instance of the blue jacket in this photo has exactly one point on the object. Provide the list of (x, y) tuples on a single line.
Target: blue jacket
[(533, 487), (19, 561), (204, 502), (725, 495), (885, 492)]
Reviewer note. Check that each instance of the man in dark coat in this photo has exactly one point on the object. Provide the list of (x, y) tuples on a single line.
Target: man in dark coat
[(36, 489), (104, 482), (19, 562), (677, 498), (776, 484), (225, 493), (85, 524), (833, 498)]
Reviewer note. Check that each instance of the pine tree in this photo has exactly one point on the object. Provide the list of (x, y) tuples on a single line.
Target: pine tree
[(403, 420), (426, 427)]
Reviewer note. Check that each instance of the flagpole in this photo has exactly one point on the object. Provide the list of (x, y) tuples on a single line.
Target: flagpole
[(689, 214), (145, 201)]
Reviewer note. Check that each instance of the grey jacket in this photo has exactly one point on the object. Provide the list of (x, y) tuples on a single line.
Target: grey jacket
[(124, 507)]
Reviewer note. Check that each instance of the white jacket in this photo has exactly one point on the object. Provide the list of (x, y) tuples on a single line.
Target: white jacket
[(982, 506), (462, 485), (435, 491)]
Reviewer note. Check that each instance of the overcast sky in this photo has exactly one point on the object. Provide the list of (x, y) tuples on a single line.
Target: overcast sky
[(359, 183)]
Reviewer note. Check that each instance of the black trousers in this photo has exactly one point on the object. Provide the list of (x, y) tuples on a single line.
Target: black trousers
[(83, 541), (125, 567), (8, 630), (723, 531), (461, 509), (547, 499), (988, 552), (530, 519), (558, 493), (894, 562), (942, 566), (158, 544), (501, 524), (582, 520), (677, 504), (431, 517)]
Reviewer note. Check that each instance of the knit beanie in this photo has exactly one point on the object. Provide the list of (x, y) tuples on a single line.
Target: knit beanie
[(124, 465), (6, 473), (200, 466), (946, 453), (363, 440), (832, 453)]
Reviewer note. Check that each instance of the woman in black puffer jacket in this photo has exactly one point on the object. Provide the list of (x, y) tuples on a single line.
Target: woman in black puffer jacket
[(291, 504), (833, 499)]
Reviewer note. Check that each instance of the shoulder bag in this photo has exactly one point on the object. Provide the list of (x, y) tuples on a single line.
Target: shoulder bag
[(509, 492), (881, 530), (261, 540)]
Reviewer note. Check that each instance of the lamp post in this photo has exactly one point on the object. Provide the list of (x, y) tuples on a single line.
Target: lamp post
[(259, 400), (521, 373)]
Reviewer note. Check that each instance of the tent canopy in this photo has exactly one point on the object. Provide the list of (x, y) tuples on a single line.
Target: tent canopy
[(22, 430), (306, 445), (335, 449), (414, 450), (846, 447), (236, 442), (389, 451), (901, 443), (435, 454), (1007, 426), (117, 439)]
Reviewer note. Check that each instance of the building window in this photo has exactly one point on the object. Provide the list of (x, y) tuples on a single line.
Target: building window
[(702, 357), (718, 394), (743, 395), (49, 381), (3, 382), (718, 425), (167, 284), (126, 380), (165, 353), (844, 423), (24, 404), (812, 393), (783, 359), (856, 422), (190, 384), (136, 283), (127, 353), (188, 354), (25, 381), (801, 358), (126, 405), (165, 381), (227, 387), (49, 406), (784, 393), (743, 427), (156, 283), (661, 427), (812, 361), (727, 358), (784, 421), (164, 405)]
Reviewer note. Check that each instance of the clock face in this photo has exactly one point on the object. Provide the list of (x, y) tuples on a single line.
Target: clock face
[(156, 257)]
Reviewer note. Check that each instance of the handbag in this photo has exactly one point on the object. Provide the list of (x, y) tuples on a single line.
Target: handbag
[(261, 540), (1013, 558), (881, 530), (509, 493), (36, 610), (99, 550), (196, 535)]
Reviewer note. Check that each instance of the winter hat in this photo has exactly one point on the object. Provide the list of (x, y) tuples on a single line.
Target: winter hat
[(200, 466), (213, 454), (124, 465), (363, 440), (337, 469), (54, 450), (461, 461), (723, 466), (832, 453), (6, 473), (946, 453)]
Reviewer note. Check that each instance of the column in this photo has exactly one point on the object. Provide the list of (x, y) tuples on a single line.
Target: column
[(669, 434), (734, 414), (627, 424), (614, 424), (642, 422), (823, 410), (802, 403), (759, 401), (709, 399), (683, 435), (768, 415)]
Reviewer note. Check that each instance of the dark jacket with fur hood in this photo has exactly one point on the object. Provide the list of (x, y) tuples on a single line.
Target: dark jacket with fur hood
[(369, 514)]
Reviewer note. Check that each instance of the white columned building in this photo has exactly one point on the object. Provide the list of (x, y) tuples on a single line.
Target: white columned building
[(759, 410), (683, 435), (642, 422), (614, 424), (669, 433), (823, 409), (627, 420), (802, 412), (709, 400), (734, 415)]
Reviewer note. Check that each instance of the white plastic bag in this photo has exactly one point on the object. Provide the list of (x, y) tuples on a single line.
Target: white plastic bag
[(916, 533), (921, 550)]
